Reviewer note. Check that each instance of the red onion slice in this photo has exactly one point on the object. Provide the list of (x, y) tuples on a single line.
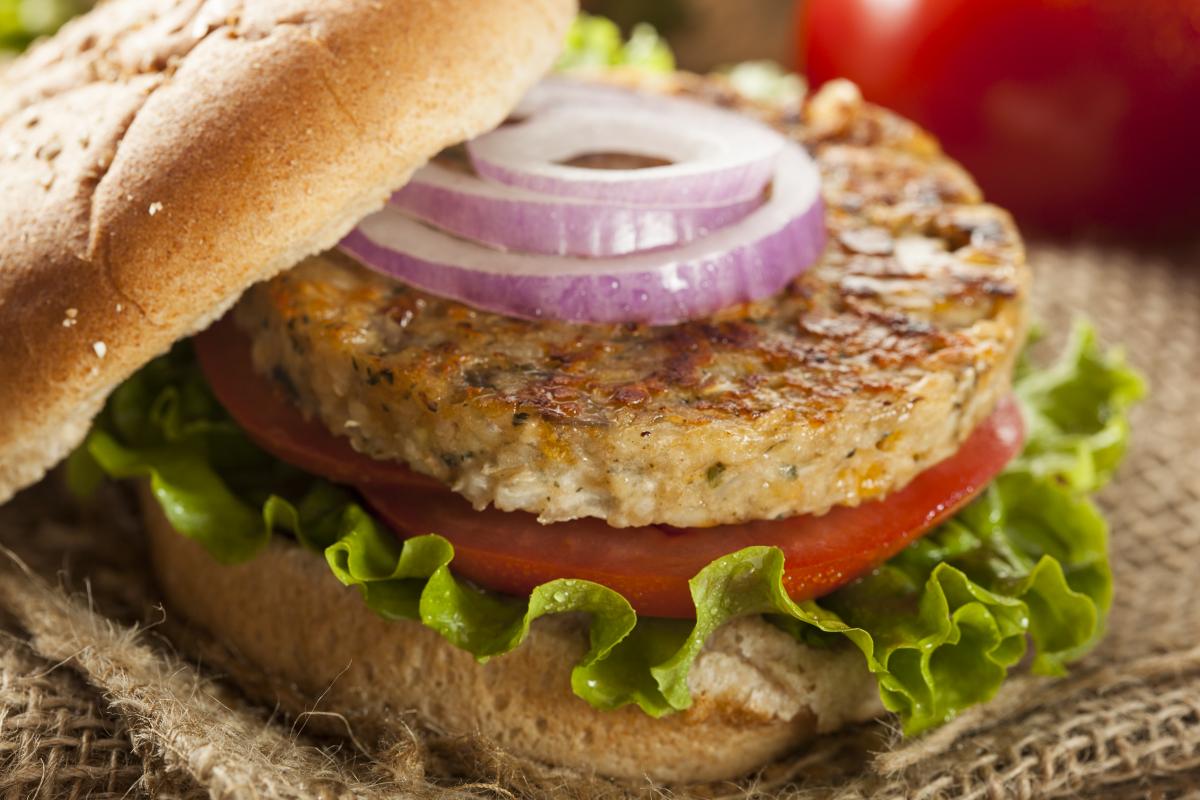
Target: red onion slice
[(521, 221), (718, 156), (748, 260)]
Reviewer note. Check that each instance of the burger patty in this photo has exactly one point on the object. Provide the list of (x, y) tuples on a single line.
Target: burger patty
[(871, 367)]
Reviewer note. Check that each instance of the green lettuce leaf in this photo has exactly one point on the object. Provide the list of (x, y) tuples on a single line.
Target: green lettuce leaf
[(22, 21), (1076, 412), (940, 624), (766, 81), (596, 43)]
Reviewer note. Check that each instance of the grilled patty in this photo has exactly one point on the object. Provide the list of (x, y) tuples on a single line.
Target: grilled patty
[(871, 367)]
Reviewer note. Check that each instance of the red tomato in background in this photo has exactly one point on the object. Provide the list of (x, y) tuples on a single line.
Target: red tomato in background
[(1068, 112)]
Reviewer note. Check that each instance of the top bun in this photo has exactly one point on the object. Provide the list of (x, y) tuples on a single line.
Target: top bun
[(160, 156)]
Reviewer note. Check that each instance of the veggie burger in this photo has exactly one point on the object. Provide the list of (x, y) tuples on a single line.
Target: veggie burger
[(655, 428)]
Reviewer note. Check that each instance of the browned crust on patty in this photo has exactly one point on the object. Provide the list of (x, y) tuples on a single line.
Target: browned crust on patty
[(872, 366), (159, 156)]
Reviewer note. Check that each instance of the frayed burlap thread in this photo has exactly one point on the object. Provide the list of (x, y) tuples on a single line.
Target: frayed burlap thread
[(170, 711), (54, 733), (90, 707)]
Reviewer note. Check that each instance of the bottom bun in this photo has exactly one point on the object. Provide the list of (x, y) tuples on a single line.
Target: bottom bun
[(758, 692)]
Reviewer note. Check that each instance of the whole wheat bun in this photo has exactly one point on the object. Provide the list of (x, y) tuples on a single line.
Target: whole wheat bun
[(308, 643), (157, 157)]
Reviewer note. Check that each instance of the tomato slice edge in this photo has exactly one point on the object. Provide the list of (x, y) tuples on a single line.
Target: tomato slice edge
[(276, 424), (512, 553)]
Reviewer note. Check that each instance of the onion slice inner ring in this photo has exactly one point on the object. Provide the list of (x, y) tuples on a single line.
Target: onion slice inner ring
[(717, 155), (522, 221), (754, 258)]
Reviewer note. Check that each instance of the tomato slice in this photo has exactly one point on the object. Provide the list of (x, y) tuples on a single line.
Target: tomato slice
[(272, 420), (511, 552)]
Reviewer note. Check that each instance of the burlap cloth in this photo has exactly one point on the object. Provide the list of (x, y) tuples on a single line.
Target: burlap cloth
[(103, 694)]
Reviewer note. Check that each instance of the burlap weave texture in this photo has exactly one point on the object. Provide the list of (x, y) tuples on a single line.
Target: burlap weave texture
[(88, 709)]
